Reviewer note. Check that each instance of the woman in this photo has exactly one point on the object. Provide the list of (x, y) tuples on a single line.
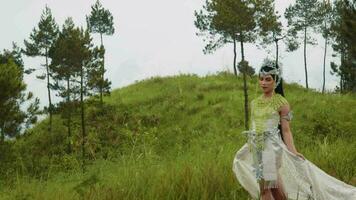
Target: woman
[(268, 166)]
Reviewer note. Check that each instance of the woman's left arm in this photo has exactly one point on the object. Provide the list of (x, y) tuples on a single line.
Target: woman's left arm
[(287, 134)]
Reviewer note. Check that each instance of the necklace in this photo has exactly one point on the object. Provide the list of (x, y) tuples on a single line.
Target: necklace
[(267, 98)]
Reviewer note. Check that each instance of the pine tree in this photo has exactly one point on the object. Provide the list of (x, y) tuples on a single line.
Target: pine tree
[(13, 96), (65, 68), (71, 61), (326, 12), (302, 17), (343, 32), (101, 21), (271, 28), (40, 41)]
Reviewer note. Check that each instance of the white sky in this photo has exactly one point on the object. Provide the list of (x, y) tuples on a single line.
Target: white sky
[(155, 37)]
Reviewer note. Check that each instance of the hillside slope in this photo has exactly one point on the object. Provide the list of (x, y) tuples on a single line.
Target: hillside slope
[(174, 138)]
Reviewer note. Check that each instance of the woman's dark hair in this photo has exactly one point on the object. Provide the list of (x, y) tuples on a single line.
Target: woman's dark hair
[(278, 89)]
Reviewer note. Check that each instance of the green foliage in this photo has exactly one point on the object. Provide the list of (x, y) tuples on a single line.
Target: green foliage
[(100, 20), (8, 158), (42, 37), (270, 25), (343, 32), (15, 55), (303, 15), (244, 67), (328, 14), (69, 52), (12, 96), (223, 21), (96, 83)]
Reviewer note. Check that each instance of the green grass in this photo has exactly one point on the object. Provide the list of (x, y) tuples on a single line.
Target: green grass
[(175, 138)]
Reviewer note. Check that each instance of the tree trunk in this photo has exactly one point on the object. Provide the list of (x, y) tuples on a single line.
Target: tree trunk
[(341, 72), (276, 41), (305, 57), (102, 72), (235, 70), (325, 50), (69, 117), (245, 83), (82, 118), (101, 39), (102, 80), (2, 140), (340, 84), (50, 107)]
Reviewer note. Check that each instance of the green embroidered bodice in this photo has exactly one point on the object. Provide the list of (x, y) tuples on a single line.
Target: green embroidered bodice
[(265, 115)]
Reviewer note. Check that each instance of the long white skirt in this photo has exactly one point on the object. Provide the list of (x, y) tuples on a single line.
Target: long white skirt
[(301, 179)]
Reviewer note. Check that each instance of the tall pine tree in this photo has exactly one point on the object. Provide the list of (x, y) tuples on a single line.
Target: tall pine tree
[(40, 41), (271, 31), (65, 68), (72, 61), (101, 21), (13, 96), (326, 12), (303, 17), (344, 31)]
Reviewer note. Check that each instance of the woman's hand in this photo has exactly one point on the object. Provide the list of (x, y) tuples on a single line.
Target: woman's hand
[(299, 155)]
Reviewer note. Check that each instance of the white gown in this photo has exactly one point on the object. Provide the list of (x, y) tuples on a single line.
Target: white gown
[(301, 179)]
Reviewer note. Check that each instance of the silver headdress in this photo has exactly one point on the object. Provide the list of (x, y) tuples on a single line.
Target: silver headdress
[(276, 70)]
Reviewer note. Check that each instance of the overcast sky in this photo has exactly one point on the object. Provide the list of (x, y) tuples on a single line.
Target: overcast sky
[(155, 37)]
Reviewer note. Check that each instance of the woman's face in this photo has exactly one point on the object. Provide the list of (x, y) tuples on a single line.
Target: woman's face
[(266, 83)]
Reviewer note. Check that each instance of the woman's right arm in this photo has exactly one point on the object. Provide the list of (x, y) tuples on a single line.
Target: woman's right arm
[(287, 134)]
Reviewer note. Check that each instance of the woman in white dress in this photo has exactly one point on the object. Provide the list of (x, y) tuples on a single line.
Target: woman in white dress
[(268, 166)]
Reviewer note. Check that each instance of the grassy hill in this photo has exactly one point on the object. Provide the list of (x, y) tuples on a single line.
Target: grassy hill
[(171, 138)]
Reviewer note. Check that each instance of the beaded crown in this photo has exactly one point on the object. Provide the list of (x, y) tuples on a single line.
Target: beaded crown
[(276, 70)]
